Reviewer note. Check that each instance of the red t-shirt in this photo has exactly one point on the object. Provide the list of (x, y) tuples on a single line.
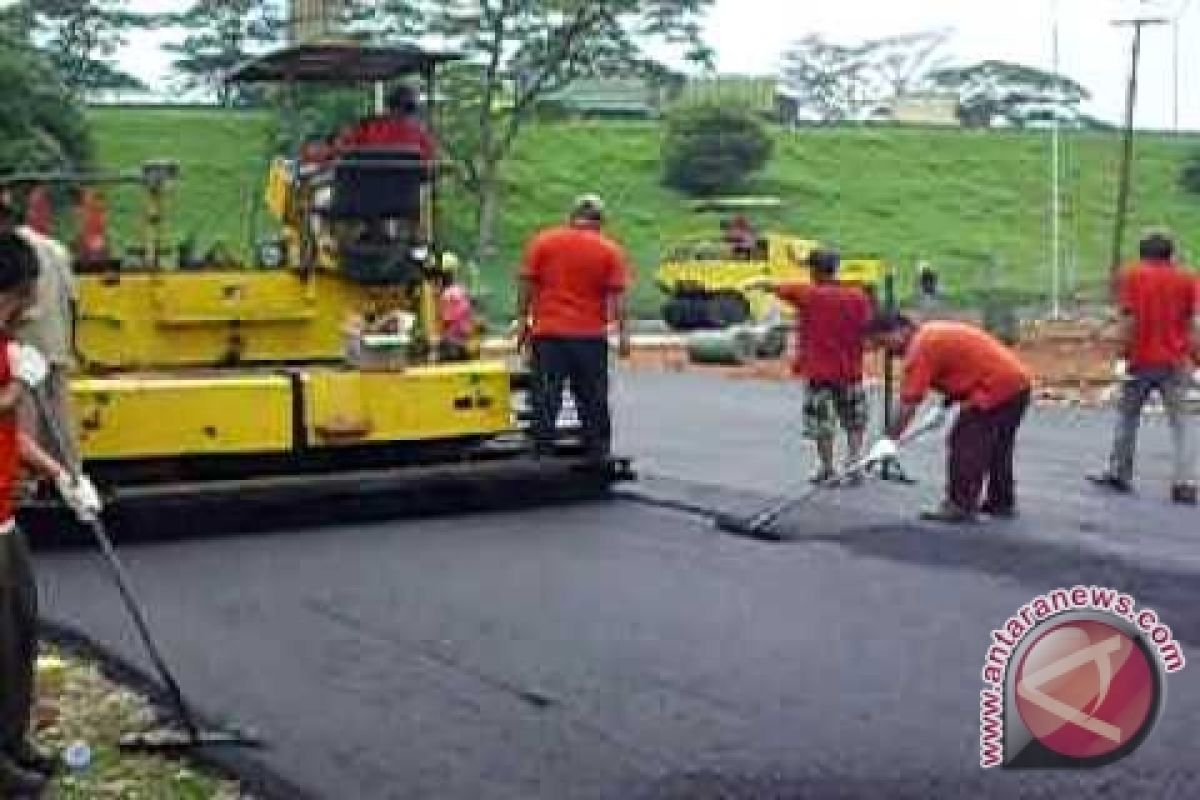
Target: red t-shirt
[(829, 330), (1161, 299), (10, 458), (965, 364), (572, 273), (391, 131)]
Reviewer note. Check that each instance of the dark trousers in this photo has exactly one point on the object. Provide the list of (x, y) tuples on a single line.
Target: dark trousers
[(980, 450), (18, 639), (581, 364)]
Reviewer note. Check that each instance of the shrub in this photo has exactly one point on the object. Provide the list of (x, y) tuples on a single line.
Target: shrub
[(710, 149), (42, 126), (1189, 176)]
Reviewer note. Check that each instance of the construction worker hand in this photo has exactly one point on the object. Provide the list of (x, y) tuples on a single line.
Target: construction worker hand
[(1121, 369), (756, 285), (934, 418), (80, 495), (882, 451), (27, 364), (624, 345)]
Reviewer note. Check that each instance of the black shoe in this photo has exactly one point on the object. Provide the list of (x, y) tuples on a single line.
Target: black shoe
[(31, 757), (949, 513), (1106, 480), (999, 512), (17, 783), (1184, 494)]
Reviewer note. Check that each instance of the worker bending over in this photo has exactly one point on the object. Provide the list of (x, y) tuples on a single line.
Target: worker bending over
[(50, 327), (1160, 336), (22, 767), (991, 386), (572, 285), (831, 322)]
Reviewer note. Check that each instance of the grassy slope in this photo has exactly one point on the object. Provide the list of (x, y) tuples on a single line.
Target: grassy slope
[(956, 198)]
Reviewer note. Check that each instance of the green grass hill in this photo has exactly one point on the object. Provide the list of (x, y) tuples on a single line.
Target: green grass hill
[(961, 200)]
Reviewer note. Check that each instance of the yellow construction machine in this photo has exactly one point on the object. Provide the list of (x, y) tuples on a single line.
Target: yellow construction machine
[(701, 276), (315, 372)]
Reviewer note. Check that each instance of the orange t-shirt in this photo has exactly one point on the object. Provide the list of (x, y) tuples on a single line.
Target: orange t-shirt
[(829, 331), (572, 273), (10, 458), (1161, 299), (965, 364)]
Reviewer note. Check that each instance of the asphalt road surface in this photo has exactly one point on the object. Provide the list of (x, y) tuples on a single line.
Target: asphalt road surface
[(626, 650)]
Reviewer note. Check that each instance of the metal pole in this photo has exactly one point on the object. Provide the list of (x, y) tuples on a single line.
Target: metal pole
[(889, 304), (1055, 189), (1127, 145)]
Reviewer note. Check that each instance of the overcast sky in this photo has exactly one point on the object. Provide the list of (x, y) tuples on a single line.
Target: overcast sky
[(750, 35)]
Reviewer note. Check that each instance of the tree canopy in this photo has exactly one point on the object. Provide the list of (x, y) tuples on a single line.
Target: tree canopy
[(42, 127), (991, 91), (218, 37)]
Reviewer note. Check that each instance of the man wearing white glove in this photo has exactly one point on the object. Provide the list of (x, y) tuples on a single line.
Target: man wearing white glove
[(992, 388), (1160, 331), (22, 767)]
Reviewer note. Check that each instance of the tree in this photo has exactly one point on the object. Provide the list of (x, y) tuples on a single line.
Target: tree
[(221, 34), (828, 81), (1189, 174), (42, 127), (519, 52), (1020, 95), (834, 82), (710, 149), (80, 37)]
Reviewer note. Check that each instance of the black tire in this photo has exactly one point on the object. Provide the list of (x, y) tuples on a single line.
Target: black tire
[(675, 314), (728, 308)]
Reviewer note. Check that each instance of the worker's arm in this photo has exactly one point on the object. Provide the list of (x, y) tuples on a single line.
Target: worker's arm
[(524, 309), (619, 311), (1125, 329), (39, 462), (10, 397)]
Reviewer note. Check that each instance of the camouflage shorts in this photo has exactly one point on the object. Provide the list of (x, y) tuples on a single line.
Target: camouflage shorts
[(826, 405)]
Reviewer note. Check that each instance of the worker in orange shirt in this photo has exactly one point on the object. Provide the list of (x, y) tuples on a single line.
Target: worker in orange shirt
[(992, 388), (400, 127), (831, 321), (572, 286), (1160, 336)]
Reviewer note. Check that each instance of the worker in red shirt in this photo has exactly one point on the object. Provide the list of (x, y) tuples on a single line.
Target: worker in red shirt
[(971, 369), (831, 322), (23, 768), (399, 128), (572, 286), (1158, 340)]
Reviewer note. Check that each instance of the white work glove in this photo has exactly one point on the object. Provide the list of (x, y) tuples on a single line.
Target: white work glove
[(1196, 377), (80, 495), (933, 418), (27, 364), (882, 451), (1121, 369)]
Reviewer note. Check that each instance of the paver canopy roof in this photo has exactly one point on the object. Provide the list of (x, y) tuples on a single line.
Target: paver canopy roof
[(336, 62)]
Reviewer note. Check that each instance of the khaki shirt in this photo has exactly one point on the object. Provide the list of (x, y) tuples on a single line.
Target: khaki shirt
[(50, 324)]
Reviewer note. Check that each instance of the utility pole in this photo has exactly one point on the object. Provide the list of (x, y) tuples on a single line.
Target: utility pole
[(1175, 56), (1127, 146), (1055, 185)]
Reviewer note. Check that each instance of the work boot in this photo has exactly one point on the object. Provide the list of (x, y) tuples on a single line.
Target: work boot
[(998, 511), (17, 783), (822, 477), (947, 512), (1184, 494), (1106, 480), (31, 757)]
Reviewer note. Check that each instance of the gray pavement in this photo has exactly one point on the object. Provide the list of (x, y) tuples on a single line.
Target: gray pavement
[(622, 650)]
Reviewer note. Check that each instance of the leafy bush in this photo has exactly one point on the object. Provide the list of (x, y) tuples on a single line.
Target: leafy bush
[(1189, 176), (710, 149), (42, 126)]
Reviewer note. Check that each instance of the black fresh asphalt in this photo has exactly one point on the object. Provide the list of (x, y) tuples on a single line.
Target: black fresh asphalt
[(624, 650)]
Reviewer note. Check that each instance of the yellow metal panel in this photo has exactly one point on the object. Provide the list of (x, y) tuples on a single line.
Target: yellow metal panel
[(152, 416), (204, 318), (345, 407)]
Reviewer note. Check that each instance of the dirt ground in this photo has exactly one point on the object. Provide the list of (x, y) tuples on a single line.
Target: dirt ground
[(1073, 361)]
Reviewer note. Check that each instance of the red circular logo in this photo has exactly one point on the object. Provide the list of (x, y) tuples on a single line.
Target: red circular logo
[(1085, 689)]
